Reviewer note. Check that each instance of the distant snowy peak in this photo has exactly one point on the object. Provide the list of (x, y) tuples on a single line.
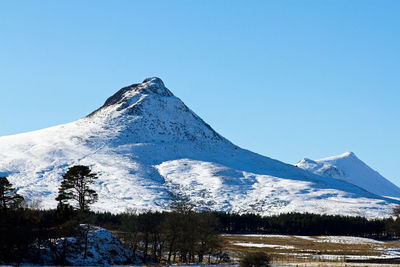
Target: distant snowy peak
[(347, 156), (350, 168), (320, 168)]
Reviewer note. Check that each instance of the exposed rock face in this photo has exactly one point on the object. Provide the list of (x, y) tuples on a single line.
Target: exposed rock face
[(152, 85)]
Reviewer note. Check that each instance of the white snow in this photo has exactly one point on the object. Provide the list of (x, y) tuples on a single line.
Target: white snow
[(148, 148), (305, 237), (266, 236), (258, 245), (346, 240), (103, 248), (391, 253)]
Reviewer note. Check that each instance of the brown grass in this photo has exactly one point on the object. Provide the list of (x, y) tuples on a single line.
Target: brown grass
[(305, 251)]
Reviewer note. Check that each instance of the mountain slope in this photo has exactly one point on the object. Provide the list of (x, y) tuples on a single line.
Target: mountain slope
[(348, 167), (148, 149)]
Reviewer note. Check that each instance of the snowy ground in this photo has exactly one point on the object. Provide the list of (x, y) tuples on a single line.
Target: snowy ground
[(257, 245), (103, 248)]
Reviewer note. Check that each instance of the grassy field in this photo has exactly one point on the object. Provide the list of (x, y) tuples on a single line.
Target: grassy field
[(316, 250)]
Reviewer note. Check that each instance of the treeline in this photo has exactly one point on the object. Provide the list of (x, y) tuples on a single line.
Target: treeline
[(181, 235), (304, 224), (285, 224), (288, 224)]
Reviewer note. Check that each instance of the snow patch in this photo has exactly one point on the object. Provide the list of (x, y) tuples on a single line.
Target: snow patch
[(258, 245), (103, 248), (347, 240)]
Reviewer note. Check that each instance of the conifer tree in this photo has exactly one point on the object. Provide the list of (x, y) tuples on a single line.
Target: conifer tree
[(75, 188), (8, 195), (393, 224)]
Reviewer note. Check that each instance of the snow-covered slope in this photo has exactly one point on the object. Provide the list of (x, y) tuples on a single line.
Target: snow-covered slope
[(103, 249), (348, 167), (148, 148)]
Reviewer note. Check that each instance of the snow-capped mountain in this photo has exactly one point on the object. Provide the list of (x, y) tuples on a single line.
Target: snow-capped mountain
[(148, 149), (348, 167)]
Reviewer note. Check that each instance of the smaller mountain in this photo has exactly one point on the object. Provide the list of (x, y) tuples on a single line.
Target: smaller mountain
[(350, 168)]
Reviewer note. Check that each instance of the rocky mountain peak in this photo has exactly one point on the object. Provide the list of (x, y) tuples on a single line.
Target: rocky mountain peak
[(148, 112), (156, 86), (306, 161), (150, 86), (349, 155)]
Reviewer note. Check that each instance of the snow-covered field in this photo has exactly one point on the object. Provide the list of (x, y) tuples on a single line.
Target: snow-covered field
[(148, 148), (327, 239), (346, 240), (257, 245)]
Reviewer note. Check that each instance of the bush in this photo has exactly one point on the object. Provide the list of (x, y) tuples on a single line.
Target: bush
[(256, 259)]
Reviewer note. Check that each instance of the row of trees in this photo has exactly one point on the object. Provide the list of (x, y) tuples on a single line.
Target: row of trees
[(304, 224), (180, 235)]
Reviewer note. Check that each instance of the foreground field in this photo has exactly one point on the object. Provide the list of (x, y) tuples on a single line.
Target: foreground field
[(316, 250)]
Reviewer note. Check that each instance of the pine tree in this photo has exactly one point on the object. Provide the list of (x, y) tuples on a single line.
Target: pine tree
[(393, 225), (8, 195), (75, 188)]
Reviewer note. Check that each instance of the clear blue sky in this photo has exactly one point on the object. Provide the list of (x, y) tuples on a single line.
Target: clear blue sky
[(286, 79)]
